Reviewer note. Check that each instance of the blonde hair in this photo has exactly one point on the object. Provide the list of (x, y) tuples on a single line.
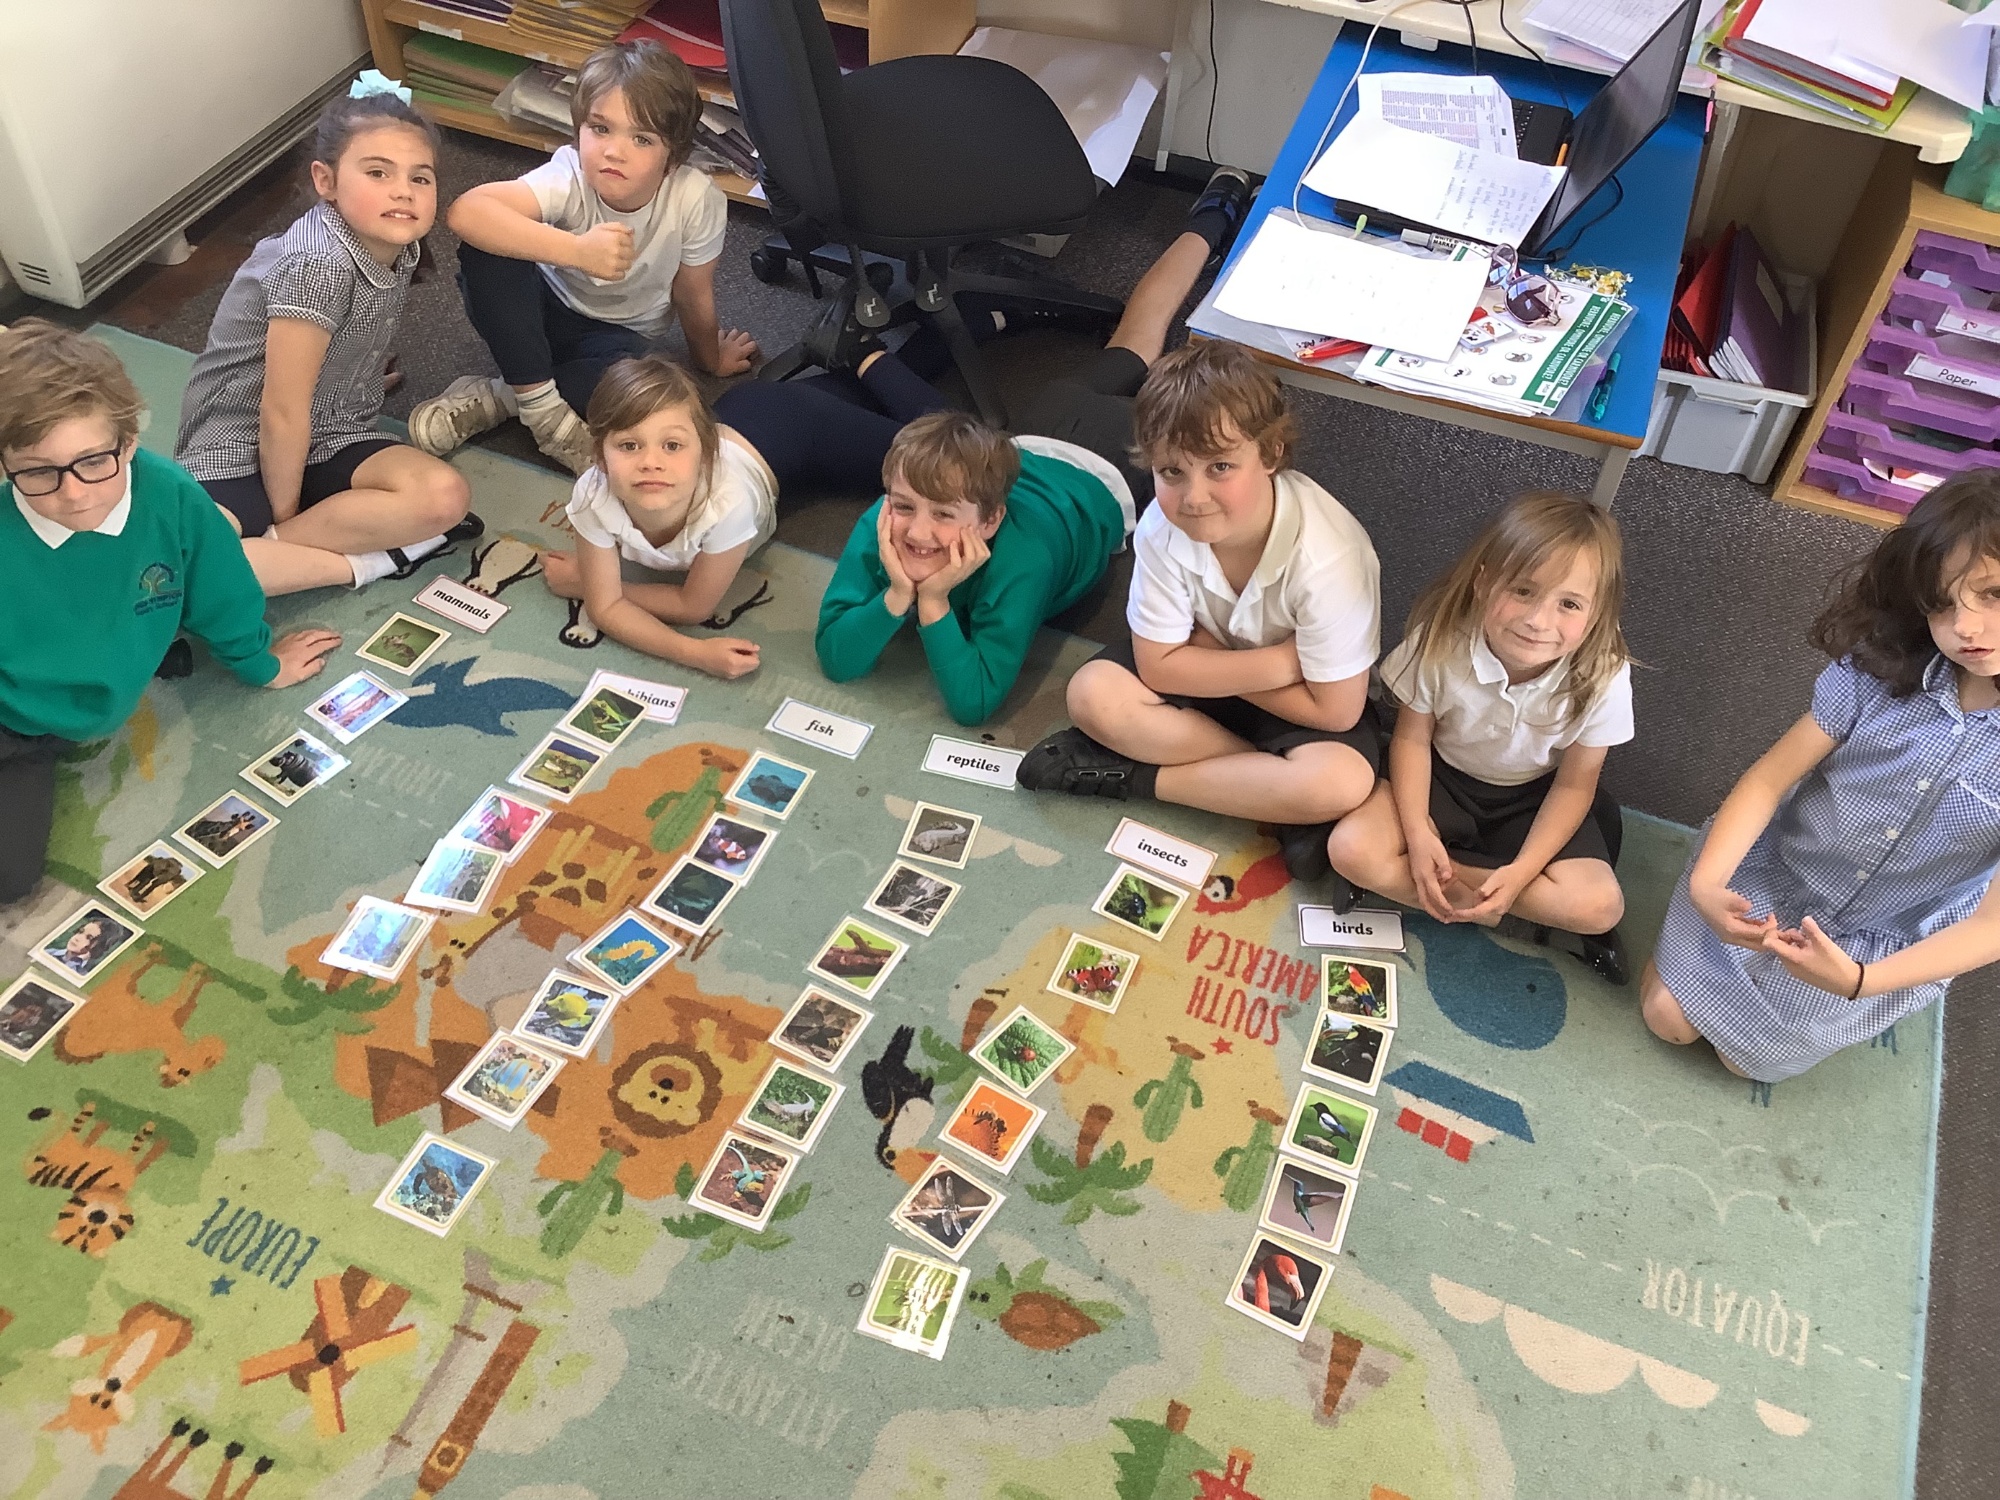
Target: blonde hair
[(952, 455), (1194, 396), (659, 90), (49, 374), (1530, 531)]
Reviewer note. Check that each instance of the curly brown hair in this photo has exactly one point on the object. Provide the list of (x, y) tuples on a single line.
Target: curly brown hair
[(659, 89), (1197, 395), (1880, 612), (49, 374)]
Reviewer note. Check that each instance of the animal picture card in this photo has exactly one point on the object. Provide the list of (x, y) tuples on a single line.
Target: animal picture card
[(1134, 899), (605, 716), (821, 1028), (293, 767), (662, 699), (993, 1125), (504, 1079), (145, 884), (1304, 1203), (624, 953), (942, 835), (913, 897), (731, 847), (225, 828), (434, 1184), (1358, 987), (1022, 1050), (743, 1180), (455, 877), (1093, 972), (557, 767), (791, 1105), (355, 705), (403, 643), (378, 938), (857, 957), (566, 1014), (1280, 1286), (1348, 1050), (947, 1208), (1330, 1129), (912, 1302), (691, 897), (769, 785), (30, 1013), (501, 822), (84, 943)]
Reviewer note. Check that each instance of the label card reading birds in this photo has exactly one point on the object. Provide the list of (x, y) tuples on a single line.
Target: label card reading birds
[(1174, 859), (989, 765), (1323, 927), (821, 727), (468, 607)]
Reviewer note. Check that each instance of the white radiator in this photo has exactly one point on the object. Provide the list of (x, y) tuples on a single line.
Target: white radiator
[(122, 121)]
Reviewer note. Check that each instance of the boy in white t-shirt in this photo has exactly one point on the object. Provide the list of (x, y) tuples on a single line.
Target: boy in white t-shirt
[(1255, 614), (588, 258)]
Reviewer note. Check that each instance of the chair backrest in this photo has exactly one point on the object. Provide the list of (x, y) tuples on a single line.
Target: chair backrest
[(787, 83)]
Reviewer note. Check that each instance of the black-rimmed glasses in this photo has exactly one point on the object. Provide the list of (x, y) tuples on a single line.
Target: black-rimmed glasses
[(46, 479)]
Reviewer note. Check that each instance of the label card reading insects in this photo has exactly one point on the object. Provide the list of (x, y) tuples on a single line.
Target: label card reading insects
[(1174, 859)]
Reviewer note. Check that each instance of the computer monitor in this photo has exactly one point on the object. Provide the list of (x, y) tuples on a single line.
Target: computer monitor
[(1617, 122)]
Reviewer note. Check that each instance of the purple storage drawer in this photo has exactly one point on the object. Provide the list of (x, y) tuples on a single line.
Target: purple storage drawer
[(1851, 481), (1944, 309), (1960, 364), (1862, 439), (1891, 398), (1966, 262)]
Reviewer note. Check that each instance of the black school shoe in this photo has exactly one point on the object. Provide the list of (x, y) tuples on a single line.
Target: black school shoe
[(463, 530), (1303, 846), (178, 662), (1220, 209), (1071, 761), (837, 341), (1603, 953)]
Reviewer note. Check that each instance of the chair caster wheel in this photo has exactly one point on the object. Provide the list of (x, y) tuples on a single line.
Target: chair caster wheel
[(766, 267), (881, 275)]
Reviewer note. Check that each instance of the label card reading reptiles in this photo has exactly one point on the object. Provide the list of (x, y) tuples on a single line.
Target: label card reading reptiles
[(989, 765), (1163, 854), (821, 727)]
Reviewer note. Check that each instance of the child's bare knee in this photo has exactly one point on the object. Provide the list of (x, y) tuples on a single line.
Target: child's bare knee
[(1663, 1014), (1603, 907), (445, 496), (1095, 690)]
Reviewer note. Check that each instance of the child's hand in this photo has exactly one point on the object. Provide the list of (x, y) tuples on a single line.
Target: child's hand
[(968, 555), (1729, 914), (1812, 957), (1430, 872), (1497, 893), (604, 251), (562, 575), (301, 655), (901, 593), (735, 352), (725, 656)]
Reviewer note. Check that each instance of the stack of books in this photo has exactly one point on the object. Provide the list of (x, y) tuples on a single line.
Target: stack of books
[(438, 70), (1733, 321), (540, 96), (496, 11), (586, 24), (1820, 78)]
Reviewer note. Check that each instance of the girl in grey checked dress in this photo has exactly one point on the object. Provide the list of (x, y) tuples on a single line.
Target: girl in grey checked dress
[(1846, 880)]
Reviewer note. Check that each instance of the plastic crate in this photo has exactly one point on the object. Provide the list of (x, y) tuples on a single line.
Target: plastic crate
[(1726, 428)]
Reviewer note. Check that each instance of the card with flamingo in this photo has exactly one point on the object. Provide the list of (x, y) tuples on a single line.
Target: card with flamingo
[(504, 1079), (434, 1184), (1330, 1129), (1280, 1286), (1093, 972), (1358, 987), (792, 1105), (1303, 1203), (743, 1180), (501, 822), (993, 1125), (1022, 1050)]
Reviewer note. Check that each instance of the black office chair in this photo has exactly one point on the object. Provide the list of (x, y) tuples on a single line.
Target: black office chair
[(904, 162)]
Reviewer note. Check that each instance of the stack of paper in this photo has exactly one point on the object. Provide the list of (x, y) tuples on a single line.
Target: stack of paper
[(1480, 195), (1105, 90), (440, 70)]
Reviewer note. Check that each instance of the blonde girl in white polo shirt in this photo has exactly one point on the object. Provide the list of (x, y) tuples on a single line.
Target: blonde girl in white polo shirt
[(1513, 681)]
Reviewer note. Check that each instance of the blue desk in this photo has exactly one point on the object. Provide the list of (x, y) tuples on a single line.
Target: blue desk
[(1642, 236)]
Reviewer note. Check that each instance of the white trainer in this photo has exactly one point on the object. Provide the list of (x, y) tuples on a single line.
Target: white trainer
[(567, 441), (448, 421)]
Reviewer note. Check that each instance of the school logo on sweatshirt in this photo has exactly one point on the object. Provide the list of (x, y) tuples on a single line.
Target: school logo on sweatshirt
[(159, 588)]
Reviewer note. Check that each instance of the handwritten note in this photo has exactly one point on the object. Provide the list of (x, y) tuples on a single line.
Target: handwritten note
[(1481, 195)]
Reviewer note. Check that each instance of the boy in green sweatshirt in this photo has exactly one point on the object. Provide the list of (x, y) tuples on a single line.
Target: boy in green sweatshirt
[(981, 538), (106, 553)]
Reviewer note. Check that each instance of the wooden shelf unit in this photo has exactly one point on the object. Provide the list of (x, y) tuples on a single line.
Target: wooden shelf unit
[(1902, 197), (896, 28)]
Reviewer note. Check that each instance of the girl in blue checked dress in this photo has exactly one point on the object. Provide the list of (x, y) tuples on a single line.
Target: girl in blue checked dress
[(1845, 881)]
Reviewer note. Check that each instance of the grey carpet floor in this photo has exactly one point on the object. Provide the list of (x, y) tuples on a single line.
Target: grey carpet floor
[(1721, 586)]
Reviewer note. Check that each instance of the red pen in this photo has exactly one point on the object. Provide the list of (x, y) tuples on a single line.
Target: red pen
[(1329, 349)]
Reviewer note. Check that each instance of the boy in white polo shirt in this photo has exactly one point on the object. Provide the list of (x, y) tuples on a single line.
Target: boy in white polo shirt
[(587, 259), (1255, 613)]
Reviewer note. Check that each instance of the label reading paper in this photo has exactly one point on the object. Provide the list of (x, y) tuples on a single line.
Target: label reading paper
[(988, 765), (662, 699), (1323, 927), (1175, 859), (1977, 379), (821, 727), (461, 605)]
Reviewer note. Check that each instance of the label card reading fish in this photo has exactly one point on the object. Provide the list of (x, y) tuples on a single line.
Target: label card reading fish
[(821, 727), (464, 606), (1323, 927), (1175, 859), (662, 699), (989, 765)]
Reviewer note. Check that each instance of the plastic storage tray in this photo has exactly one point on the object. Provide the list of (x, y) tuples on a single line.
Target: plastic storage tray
[(1849, 480), (1965, 261), (1852, 436), (1944, 309), (1892, 398), (1974, 367)]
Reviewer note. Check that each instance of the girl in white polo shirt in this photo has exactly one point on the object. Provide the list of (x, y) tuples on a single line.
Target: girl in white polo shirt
[(1513, 681), (675, 492)]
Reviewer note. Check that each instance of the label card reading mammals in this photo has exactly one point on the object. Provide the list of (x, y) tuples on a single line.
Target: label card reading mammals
[(1323, 927), (821, 727), (1172, 859), (461, 605), (989, 765)]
